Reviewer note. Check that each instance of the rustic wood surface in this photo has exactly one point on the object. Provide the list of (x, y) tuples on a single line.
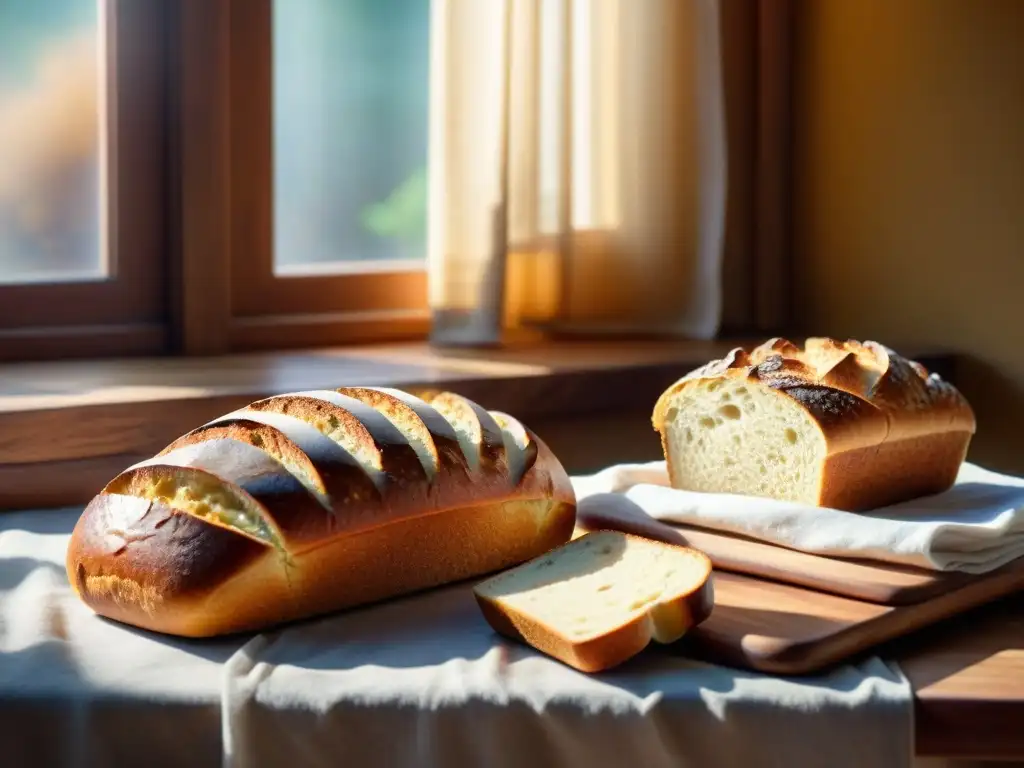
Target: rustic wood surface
[(789, 630), (968, 681), (967, 672)]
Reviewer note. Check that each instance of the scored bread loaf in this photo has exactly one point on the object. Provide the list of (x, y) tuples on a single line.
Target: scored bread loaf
[(600, 599), (310, 502), (847, 425)]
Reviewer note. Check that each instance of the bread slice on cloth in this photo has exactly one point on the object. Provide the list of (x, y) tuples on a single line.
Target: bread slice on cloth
[(600, 599)]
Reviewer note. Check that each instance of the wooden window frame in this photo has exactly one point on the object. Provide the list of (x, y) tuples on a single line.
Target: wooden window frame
[(227, 199), (123, 313)]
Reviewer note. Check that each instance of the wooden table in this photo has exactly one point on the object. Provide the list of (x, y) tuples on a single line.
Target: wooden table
[(968, 679)]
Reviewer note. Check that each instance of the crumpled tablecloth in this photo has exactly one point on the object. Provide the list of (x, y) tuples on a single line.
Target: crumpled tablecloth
[(418, 681)]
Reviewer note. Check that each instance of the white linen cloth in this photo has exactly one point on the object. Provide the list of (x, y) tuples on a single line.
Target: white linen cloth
[(423, 681), (975, 527), (77, 690), (419, 681)]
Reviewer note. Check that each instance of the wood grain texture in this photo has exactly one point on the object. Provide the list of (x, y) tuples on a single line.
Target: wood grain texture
[(326, 329), (861, 580), (968, 681), (100, 411), (787, 630), (80, 342)]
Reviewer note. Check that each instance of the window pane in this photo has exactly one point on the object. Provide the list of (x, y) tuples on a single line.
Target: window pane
[(49, 148), (350, 132)]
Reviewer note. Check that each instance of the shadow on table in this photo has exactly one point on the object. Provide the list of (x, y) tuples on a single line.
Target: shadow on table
[(769, 623), (79, 690), (961, 643), (14, 570), (108, 730)]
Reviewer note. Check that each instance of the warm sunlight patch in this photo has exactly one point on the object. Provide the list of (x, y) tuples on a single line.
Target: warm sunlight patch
[(202, 496)]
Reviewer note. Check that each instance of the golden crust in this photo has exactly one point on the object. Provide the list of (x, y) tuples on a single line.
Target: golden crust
[(134, 560), (161, 567), (364, 431), (863, 396), (484, 430), (827, 377), (328, 470), (273, 441), (421, 423)]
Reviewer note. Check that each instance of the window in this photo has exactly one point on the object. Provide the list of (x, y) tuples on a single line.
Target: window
[(50, 104), (199, 176), (328, 170), (206, 176), (350, 141), (81, 178)]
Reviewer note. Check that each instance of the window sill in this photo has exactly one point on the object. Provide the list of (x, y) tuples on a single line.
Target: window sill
[(67, 428)]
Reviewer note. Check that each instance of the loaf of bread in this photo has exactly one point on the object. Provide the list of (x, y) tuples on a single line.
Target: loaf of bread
[(307, 503), (600, 599), (847, 425)]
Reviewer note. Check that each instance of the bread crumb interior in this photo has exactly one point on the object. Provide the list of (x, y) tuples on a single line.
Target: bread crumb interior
[(736, 436), (597, 583)]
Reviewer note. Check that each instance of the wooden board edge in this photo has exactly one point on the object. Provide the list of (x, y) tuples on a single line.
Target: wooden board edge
[(816, 656)]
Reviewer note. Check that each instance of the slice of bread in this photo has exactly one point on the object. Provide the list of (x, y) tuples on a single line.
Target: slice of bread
[(600, 599)]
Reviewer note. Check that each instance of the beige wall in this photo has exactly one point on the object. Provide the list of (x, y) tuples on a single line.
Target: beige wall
[(909, 198)]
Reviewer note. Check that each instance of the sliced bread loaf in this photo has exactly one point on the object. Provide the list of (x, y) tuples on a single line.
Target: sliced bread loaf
[(847, 425), (599, 600)]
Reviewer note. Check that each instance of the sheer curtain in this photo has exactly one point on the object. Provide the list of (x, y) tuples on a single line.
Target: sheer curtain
[(578, 167)]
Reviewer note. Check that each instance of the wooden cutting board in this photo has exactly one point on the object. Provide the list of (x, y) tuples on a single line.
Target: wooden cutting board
[(788, 630), (871, 581), (786, 612)]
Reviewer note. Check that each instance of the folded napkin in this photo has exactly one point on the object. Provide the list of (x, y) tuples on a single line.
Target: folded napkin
[(975, 527)]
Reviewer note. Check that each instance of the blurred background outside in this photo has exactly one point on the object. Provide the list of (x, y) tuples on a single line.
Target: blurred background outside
[(350, 78)]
